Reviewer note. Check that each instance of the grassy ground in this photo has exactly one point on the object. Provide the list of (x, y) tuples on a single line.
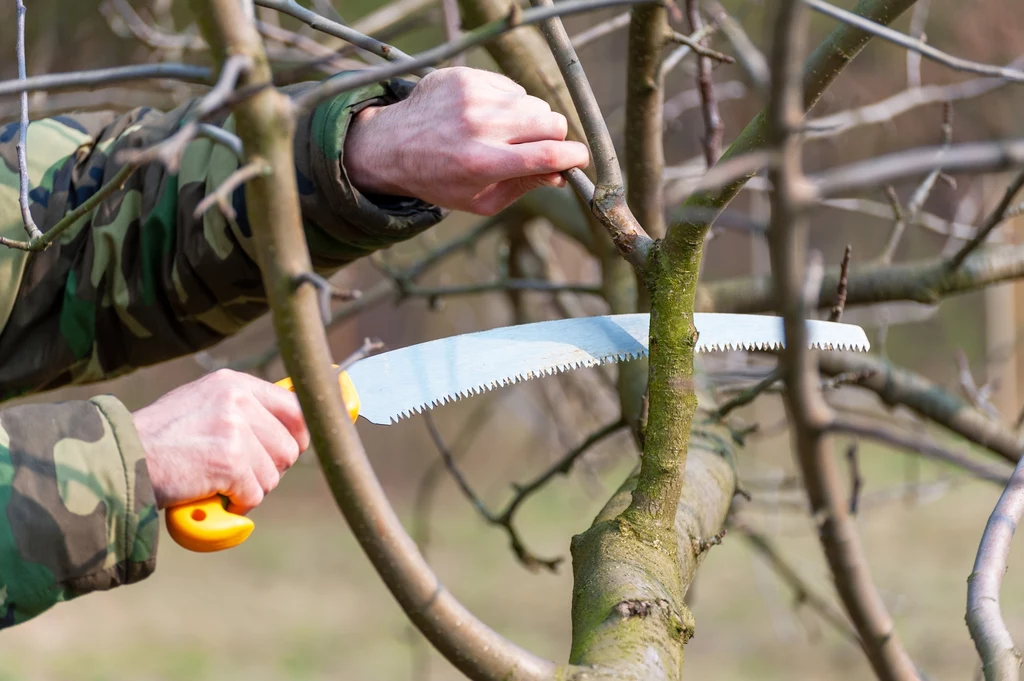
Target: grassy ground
[(300, 601)]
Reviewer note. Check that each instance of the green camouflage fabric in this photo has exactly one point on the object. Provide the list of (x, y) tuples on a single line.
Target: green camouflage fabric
[(136, 282)]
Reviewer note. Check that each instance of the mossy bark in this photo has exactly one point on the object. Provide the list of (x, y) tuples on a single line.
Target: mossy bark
[(629, 619)]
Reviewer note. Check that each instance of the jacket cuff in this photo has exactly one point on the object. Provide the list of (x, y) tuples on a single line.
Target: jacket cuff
[(135, 548), (366, 222)]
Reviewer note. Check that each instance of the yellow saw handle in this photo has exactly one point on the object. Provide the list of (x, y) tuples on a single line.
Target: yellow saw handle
[(206, 525)]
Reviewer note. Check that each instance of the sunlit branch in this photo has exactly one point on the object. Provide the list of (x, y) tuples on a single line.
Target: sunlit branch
[(90, 79), (922, 48), (22, 145), (1001, 659)]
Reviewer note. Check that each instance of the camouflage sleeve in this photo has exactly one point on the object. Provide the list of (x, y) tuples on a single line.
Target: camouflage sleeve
[(78, 512), (140, 280)]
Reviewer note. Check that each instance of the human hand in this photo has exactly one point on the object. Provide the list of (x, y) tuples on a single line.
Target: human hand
[(227, 433), (465, 139)]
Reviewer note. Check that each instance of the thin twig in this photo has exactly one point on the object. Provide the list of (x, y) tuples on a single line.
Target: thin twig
[(970, 387), (1001, 659), (219, 196), (750, 58), (118, 74), (369, 347), (994, 219), (747, 396), (169, 151), (677, 37), (384, 290), (522, 492), (920, 195), (333, 28), (435, 292), (922, 281), (917, 24), (147, 34), (605, 160), (893, 36), (608, 200), (897, 386), (222, 137), (803, 594), (969, 157), (919, 446), (713, 127), (22, 146), (888, 109), (807, 409), (842, 289), (676, 56), (43, 242), (453, 27), (600, 30)]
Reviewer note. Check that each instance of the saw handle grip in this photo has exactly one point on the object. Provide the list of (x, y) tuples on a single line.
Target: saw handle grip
[(206, 525)]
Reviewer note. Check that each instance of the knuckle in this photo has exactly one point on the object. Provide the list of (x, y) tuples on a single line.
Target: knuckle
[(547, 156), (560, 124), (270, 481), (537, 104), (471, 123)]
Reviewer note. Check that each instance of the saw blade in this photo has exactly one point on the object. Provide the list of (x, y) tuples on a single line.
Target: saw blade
[(399, 383)]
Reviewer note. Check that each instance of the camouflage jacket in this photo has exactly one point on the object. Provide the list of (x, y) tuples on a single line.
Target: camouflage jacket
[(136, 282)]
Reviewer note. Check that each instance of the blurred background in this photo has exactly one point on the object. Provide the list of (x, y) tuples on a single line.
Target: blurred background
[(299, 599)]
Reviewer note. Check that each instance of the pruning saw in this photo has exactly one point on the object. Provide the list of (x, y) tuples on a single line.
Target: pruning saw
[(390, 386)]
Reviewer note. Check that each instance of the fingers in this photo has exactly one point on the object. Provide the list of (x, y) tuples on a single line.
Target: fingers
[(246, 493), (547, 125), (284, 406), (535, 158), (277, 442)]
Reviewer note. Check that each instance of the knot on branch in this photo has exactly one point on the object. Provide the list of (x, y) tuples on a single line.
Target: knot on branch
[(682, 625), (630, 239), (640, 608)]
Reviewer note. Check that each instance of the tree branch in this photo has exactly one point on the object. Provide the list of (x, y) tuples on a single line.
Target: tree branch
[(333, 28), (608, 202), (750, 58), (1001, 659), (266, 127), (923, 281), (808, 413), (713, 127), (897, 386), (506, 518), (600, 30), (914, 45), (803, 594), (42, 242), (628, 614), (995, 218), (918, 446), (889, 108), (119, 74), (22, 146), (992, 156), (502, 285), (169, 151), (821, 68), (489, 31)]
